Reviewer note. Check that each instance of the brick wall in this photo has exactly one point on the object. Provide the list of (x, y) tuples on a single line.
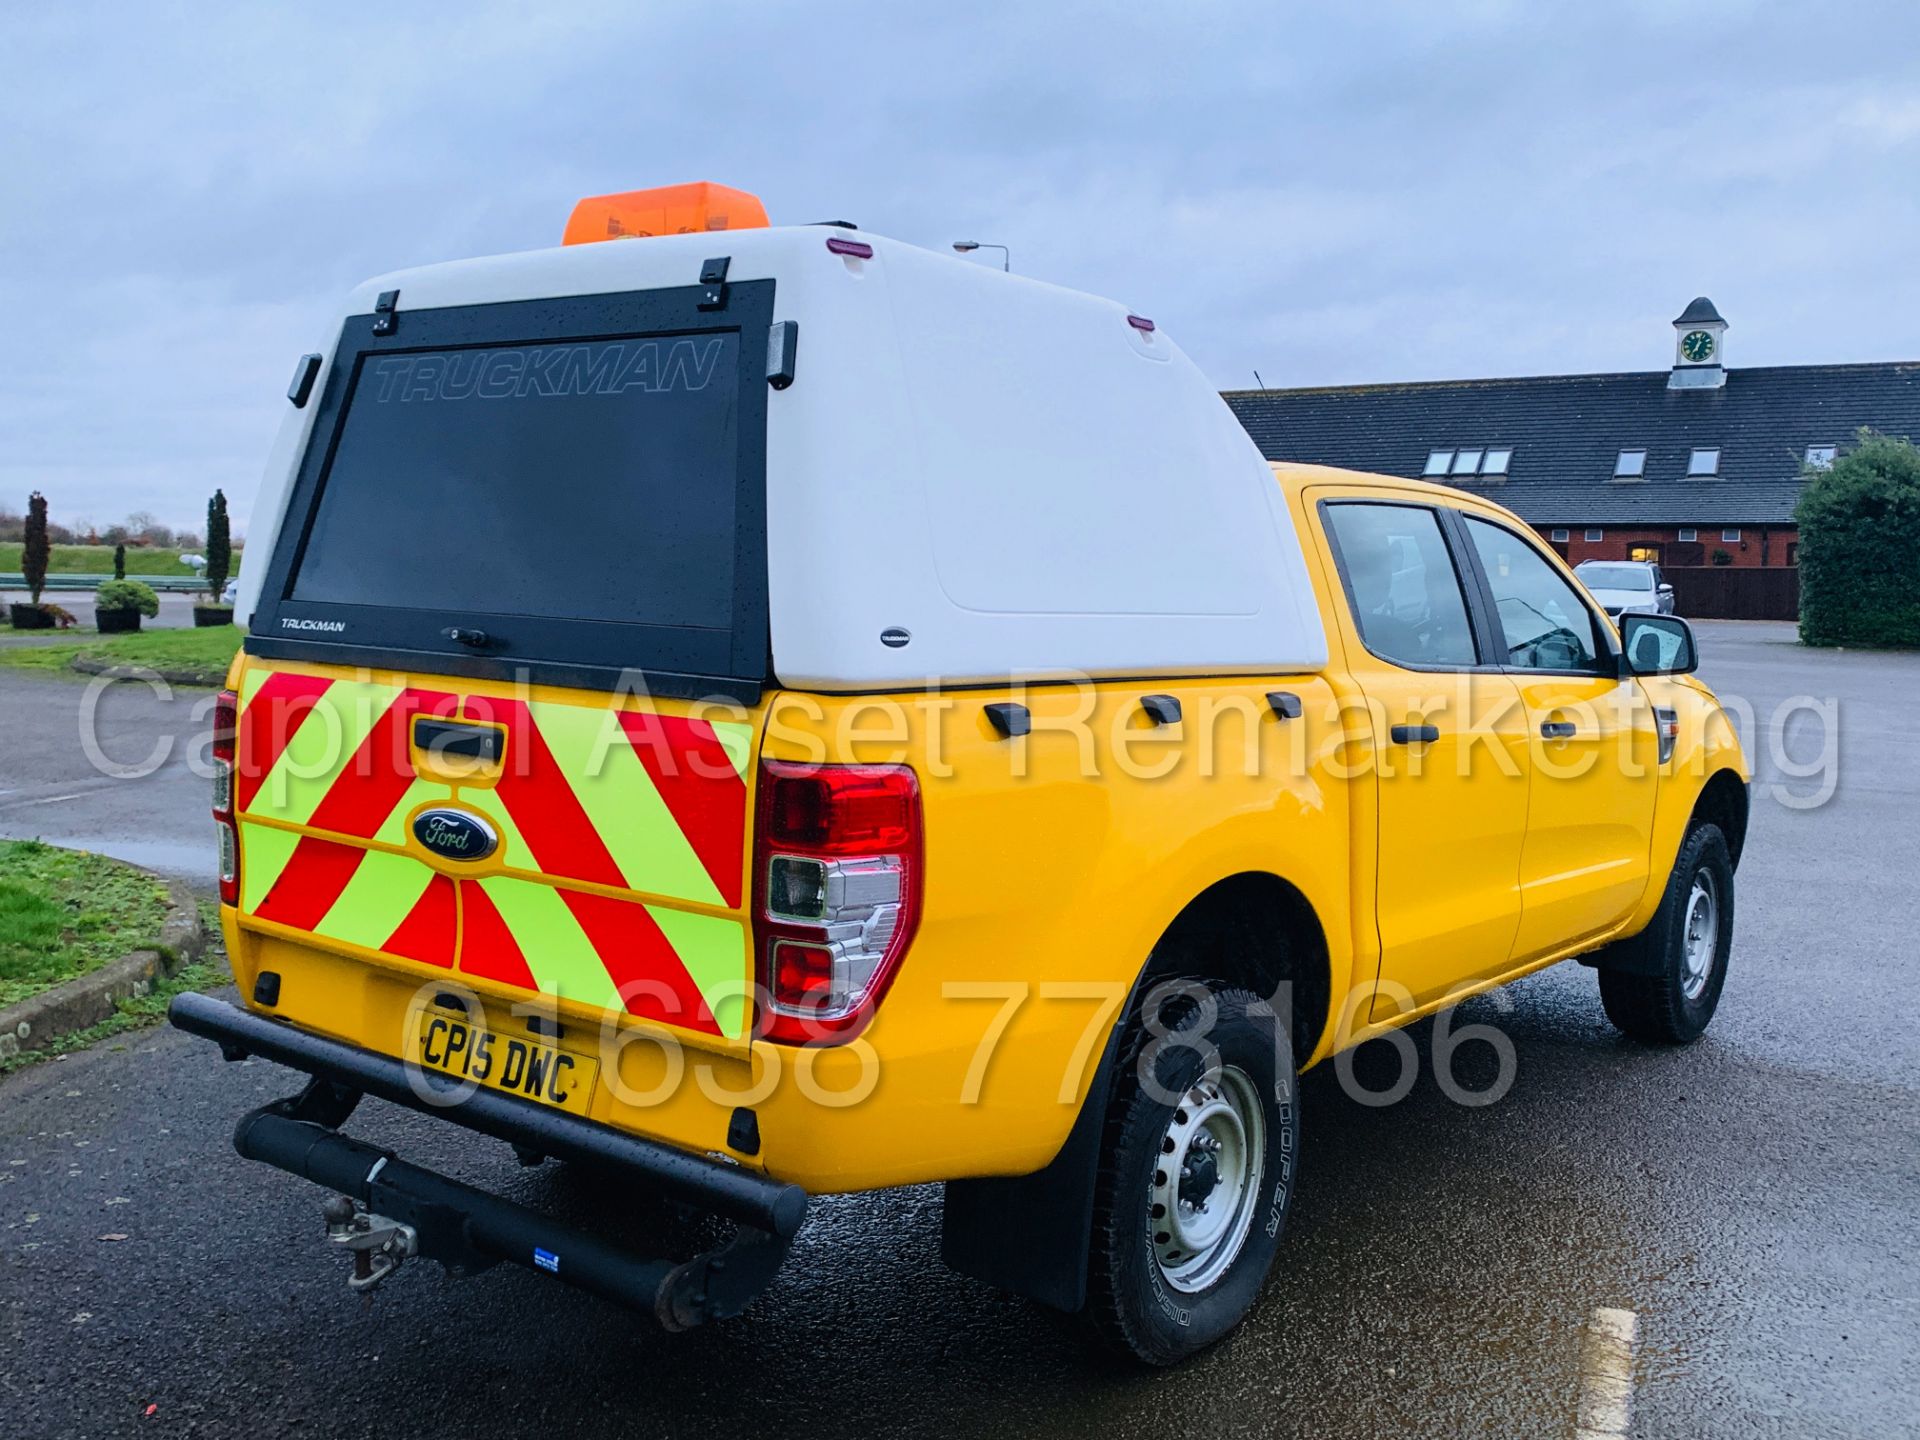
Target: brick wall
[(1758, 545)]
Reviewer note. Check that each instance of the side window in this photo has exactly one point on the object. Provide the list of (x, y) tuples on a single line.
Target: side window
[(1401, 584), (1544, 624)]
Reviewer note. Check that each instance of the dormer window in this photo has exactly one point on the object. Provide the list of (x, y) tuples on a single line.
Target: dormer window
[(1630, 465), (1820, 457), (1438, 462), (1705, 460)]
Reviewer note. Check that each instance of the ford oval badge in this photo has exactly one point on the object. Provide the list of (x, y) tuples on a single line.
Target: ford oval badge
[(455, 834)]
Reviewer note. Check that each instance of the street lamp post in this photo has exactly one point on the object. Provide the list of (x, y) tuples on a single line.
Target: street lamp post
[(967, 247)]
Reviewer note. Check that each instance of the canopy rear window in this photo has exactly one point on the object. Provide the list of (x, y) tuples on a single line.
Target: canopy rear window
[(570, 481), (564, 502)]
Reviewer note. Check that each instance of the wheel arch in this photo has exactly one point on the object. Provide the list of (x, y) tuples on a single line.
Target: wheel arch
[(1724, 801), (1256, 930), (1030, 1233)]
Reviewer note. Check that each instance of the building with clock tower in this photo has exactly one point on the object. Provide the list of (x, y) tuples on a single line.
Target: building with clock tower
[(1698, 334), (1696, 468)]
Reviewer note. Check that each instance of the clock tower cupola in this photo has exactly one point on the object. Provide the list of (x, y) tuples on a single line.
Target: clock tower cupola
[(1698, 334)]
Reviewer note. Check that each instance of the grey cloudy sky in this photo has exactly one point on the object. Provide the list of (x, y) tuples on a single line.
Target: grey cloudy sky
[(1330, 194)]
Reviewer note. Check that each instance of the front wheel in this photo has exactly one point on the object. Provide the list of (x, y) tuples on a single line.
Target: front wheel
[(1201, 1148), (1670, 994)]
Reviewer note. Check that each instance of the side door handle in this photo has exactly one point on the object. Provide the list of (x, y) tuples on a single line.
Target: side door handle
[(1558, 729), (1415, 734)]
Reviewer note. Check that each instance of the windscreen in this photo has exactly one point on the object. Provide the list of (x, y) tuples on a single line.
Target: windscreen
[(1616, 577), (567, 481)]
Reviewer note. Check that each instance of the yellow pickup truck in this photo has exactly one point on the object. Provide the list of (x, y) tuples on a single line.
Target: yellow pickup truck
[(771, 711)]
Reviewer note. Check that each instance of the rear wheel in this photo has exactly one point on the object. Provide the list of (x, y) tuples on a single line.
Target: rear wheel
[(1201, 1148), (1680, 959)]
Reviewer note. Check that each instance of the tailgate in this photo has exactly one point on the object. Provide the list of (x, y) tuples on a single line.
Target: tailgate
[(535, 841)]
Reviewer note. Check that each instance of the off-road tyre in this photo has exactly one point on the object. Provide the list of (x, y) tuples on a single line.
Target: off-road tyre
[(1236, 1039), (1651, 1001)]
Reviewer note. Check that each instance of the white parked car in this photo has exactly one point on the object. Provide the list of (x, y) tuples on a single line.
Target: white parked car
[(1623, 586)]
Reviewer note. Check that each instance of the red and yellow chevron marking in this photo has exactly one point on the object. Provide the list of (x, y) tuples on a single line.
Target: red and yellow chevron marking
[(588, 796), (374, 899), (634, 801)]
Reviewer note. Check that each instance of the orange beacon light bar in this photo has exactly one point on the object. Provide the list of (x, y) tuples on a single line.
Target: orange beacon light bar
[(665, 210)]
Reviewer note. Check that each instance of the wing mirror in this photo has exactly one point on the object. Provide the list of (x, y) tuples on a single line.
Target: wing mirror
[(1665, 589), (1658, 644)]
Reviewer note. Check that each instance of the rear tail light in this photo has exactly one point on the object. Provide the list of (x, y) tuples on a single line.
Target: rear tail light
[(837, 882), (226, 707)]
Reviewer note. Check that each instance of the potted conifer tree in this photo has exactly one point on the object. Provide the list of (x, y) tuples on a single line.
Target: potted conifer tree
[(219, 564), (34, 552), (119, 604)]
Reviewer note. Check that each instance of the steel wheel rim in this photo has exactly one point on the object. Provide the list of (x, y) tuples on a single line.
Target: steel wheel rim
[(1205, 1185), (1701, 936)]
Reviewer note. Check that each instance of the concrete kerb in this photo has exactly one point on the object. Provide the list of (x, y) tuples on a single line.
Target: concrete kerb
[(86, 1000), (88, 665)]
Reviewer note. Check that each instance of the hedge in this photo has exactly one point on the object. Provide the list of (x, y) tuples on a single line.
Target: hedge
[(1860, 547)]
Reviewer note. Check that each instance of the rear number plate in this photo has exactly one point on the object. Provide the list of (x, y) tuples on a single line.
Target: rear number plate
[(455, 1046)]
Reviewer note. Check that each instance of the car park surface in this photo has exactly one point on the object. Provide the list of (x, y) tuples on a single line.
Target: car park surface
[(1748, 1198)]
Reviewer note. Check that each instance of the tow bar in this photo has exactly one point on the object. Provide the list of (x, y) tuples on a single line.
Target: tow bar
[(386, 1210)]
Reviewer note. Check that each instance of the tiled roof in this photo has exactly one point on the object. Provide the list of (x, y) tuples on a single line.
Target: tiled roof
[(1567, 430)]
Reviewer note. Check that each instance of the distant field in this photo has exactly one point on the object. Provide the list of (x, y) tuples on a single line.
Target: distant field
[(98, 560)]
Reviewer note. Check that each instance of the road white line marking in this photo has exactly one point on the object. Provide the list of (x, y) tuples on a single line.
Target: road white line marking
[(1606, 1375), (45, 800)]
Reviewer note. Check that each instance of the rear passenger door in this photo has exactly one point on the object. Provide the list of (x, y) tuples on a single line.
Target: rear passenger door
[(1448, 752), (1592, 741)]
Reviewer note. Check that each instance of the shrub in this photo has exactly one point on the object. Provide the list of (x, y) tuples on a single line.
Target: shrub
[(219, 550), (1860, 546), (35, 547), (127, 595), (120, 562)]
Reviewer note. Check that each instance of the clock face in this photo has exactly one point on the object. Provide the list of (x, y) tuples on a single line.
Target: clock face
[(1696, 345)]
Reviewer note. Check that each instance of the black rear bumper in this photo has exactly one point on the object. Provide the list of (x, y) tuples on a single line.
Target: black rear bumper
[(468, 1229)]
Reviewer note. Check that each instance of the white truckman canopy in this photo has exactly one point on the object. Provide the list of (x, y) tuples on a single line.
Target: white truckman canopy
[(1001, 477)]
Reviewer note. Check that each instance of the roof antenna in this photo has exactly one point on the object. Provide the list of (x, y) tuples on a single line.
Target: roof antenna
[(1258, 381)]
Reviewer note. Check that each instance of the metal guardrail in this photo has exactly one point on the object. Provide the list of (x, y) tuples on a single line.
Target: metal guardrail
[(171, 584)]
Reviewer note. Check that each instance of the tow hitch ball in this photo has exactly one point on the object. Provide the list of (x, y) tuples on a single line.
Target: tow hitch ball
[(377, 1244)]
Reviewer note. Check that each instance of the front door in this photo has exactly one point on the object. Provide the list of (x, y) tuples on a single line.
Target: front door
[(1449, 751), (1593, 746)]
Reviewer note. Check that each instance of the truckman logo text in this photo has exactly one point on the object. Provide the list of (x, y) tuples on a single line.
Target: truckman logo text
[(611, 368), (331, 627), (454, 834)]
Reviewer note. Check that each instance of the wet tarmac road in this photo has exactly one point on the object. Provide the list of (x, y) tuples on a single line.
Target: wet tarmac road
[(1752, 1199), (114, 767)]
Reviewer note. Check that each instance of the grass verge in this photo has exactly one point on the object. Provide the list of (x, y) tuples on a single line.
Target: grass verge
[(66, 912), (202, 652), (208, 973)]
